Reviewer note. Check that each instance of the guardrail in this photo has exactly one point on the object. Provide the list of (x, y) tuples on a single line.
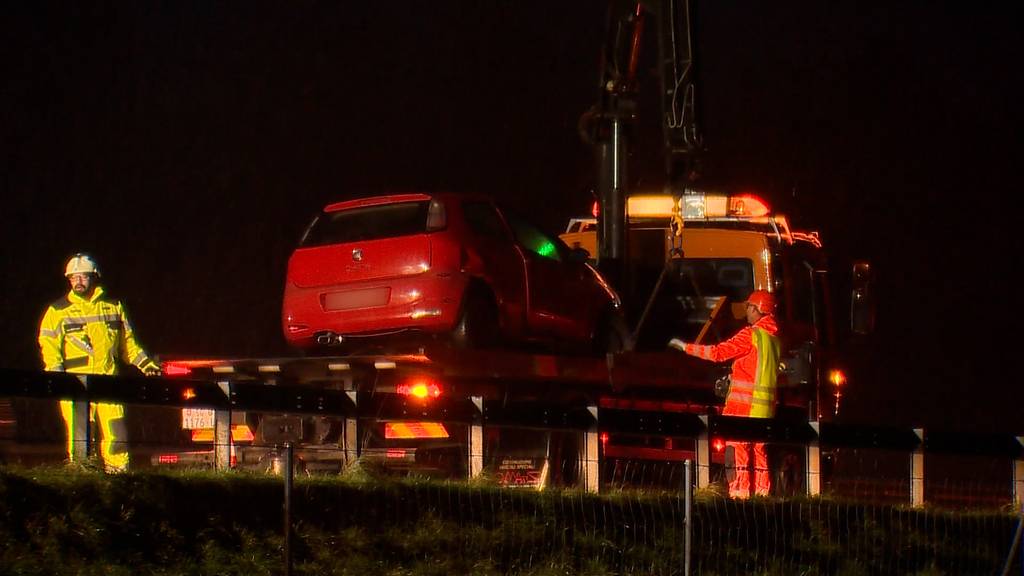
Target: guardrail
[(596, 423)]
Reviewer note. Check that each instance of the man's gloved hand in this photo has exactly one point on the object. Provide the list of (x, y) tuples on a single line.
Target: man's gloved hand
[(677, 344), (150, 368)]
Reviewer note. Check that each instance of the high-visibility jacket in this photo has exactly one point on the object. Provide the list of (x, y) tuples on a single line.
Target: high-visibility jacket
[(754, 375), (89, 335)]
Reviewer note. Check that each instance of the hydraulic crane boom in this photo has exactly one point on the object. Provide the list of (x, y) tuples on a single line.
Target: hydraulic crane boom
[(608, 124)]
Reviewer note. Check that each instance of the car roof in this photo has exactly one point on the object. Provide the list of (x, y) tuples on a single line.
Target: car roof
[(402, 197)]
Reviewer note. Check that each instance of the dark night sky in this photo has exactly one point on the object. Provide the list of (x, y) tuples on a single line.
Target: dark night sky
[(186, 144)]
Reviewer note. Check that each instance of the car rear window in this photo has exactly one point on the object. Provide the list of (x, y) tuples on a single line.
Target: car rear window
[(368, 223)]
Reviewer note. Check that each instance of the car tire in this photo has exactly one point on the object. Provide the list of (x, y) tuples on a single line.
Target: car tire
[(477, 327)]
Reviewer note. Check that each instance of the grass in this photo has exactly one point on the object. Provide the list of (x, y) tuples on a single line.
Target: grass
[(82, 521)]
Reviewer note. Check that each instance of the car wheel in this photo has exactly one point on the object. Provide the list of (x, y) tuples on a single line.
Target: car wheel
[(477, 327), (612, 335)]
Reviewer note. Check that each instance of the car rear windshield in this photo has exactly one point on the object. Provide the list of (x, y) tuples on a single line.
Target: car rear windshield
[(368, 223)]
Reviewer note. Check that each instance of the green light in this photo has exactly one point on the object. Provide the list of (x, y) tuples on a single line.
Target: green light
[(547, 250)]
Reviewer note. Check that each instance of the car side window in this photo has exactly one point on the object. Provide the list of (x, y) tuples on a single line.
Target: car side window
[(532, 239), (483, 220)]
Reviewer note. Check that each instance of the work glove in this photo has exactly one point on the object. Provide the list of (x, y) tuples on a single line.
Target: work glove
[(677, 344), (150, 368)]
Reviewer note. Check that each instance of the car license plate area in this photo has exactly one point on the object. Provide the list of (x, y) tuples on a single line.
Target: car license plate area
[(353, 299), (196, 418)]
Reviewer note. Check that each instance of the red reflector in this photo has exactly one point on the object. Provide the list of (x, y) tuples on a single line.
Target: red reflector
[(172, 369), (596, 209), (167, 459), (406, 430), (395, 453)]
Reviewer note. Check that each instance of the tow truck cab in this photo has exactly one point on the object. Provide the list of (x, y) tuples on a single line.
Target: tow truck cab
[(692, 261)]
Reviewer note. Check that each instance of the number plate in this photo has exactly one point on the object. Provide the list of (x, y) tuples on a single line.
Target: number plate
[(196, 418)]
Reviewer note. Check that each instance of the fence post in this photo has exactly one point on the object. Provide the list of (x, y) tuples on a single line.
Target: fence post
[(591, 458), (288, 471), (81, 432), (688, 529), (350, 439), (703, 454), (222, 447), (917, 470), (814, 462), (476, 439), (1018, 479)]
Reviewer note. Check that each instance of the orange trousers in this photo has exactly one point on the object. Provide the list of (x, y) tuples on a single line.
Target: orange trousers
[(739, 487)]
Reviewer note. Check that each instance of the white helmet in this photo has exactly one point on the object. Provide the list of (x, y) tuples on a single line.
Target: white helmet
[(81, 264)]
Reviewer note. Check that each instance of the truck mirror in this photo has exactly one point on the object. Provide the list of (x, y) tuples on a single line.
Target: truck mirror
[(862, 299), (579, 255)]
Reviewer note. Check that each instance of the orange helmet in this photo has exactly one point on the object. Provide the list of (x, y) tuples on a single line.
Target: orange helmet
[(763, 301)]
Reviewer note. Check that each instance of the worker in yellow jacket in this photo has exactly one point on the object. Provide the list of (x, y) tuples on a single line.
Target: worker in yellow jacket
[(87, 332)]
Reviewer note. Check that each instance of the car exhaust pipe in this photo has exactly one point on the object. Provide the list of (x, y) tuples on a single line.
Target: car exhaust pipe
[(327, 338)]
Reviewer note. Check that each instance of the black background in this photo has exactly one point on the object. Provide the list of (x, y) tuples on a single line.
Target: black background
[(186, 145)]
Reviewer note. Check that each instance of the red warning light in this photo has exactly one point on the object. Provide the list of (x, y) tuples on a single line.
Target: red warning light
[(748, 205), (188, 393), (596, 209), (175, 369), (718, 444), (837, 378)]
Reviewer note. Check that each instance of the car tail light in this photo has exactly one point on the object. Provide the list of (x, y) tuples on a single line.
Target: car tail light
[(437, 218)]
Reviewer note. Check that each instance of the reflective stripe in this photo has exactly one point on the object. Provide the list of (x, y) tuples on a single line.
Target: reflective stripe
[(48, 333), (744, 397), (91, 319), (741, 385), (72, 363), (140, 359), (80, 344), (72, 325)]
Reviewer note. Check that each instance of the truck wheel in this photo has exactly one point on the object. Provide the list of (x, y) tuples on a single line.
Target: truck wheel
[(477, 327)]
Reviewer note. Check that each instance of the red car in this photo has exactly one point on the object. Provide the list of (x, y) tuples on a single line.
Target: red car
[(447, 265)]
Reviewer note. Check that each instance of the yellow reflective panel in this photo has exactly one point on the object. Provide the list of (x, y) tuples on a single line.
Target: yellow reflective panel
[(408, 430)]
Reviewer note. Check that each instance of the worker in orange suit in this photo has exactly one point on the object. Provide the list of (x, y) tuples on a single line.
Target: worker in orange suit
[(755, 353), (87, 332)]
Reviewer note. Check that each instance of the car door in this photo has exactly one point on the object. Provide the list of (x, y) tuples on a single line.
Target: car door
[(493, 253), (558, 293)]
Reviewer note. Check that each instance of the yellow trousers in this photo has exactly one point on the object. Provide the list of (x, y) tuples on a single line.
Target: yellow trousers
[(113, 433)]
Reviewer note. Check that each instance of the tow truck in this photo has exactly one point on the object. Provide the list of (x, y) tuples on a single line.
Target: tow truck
[(683, 259)]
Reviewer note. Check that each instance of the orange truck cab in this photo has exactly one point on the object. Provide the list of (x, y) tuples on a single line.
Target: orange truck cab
[(693, 259)]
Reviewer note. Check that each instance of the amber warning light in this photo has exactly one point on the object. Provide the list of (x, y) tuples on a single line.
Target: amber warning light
[(837, 378), (423, 388)]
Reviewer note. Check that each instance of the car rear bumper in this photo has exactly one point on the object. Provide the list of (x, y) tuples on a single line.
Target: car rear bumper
[(427, 302)]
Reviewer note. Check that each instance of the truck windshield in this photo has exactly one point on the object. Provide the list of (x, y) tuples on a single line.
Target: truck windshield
[(367, 223), (696, 291)]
